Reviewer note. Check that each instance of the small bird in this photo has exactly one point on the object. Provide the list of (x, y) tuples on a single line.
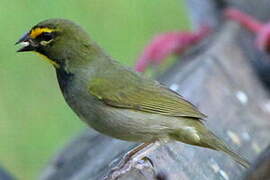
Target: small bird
[(261, 30), (114, 99), (166, 44)]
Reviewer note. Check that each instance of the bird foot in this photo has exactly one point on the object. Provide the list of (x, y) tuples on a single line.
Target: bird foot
[(126, 165), (136, 158)]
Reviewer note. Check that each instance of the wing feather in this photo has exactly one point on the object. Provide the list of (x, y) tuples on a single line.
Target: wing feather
[(142, 95)]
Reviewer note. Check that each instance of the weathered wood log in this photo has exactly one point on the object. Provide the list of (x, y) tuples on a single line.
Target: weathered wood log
[(5, 175), (261, 168), (220, 80)]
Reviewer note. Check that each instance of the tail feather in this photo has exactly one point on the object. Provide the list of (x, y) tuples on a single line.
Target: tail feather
[(216, 143), (195, 133)]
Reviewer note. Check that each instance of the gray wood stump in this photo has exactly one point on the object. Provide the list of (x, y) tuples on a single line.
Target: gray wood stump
[(5, 175), (219, 79), (261, 167)]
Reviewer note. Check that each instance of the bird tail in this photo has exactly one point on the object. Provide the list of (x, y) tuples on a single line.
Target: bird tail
[(195, 133), (213, 142)]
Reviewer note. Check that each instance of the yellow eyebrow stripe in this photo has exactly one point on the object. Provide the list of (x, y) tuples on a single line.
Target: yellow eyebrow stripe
[(37, 31)]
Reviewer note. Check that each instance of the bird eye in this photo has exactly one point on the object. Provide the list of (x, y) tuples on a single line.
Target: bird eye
[(46, 36)]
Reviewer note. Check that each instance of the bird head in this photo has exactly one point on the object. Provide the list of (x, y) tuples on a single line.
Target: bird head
[(61, 41)]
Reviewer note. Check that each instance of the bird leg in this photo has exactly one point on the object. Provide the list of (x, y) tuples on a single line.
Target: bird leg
[(131, 159)]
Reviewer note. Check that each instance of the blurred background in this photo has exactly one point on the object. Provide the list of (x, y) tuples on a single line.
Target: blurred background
[(35, 121)]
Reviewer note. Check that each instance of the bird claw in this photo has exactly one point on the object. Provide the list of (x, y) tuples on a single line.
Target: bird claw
[(123, 167), (136, 158), (126, 164)]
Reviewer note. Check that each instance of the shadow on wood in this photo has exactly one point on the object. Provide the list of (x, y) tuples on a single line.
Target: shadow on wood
[(261, 168)]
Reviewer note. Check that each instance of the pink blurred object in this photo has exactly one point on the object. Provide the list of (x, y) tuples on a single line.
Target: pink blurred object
[(164, 45), (262, 30)]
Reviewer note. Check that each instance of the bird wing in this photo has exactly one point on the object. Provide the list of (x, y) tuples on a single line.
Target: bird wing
[(133, 91)]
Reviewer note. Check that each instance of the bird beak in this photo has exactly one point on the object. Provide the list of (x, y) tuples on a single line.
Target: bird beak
[(26, 42)]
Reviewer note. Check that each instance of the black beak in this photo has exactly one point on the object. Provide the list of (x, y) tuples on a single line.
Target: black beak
[(26, 42)]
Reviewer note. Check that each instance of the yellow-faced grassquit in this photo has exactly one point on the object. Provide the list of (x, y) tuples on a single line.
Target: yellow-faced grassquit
[(114, 99)]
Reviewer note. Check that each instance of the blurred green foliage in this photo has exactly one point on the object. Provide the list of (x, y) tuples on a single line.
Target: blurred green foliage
[(34, 119)]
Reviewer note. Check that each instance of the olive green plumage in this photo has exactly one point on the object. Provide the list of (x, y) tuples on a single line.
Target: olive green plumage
[(113, 99)]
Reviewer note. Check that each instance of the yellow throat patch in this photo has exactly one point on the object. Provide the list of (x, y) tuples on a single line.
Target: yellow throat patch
[(49, 60)]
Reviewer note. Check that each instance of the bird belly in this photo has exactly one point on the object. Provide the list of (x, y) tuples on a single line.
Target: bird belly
[(120, 123), (124, 124)]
